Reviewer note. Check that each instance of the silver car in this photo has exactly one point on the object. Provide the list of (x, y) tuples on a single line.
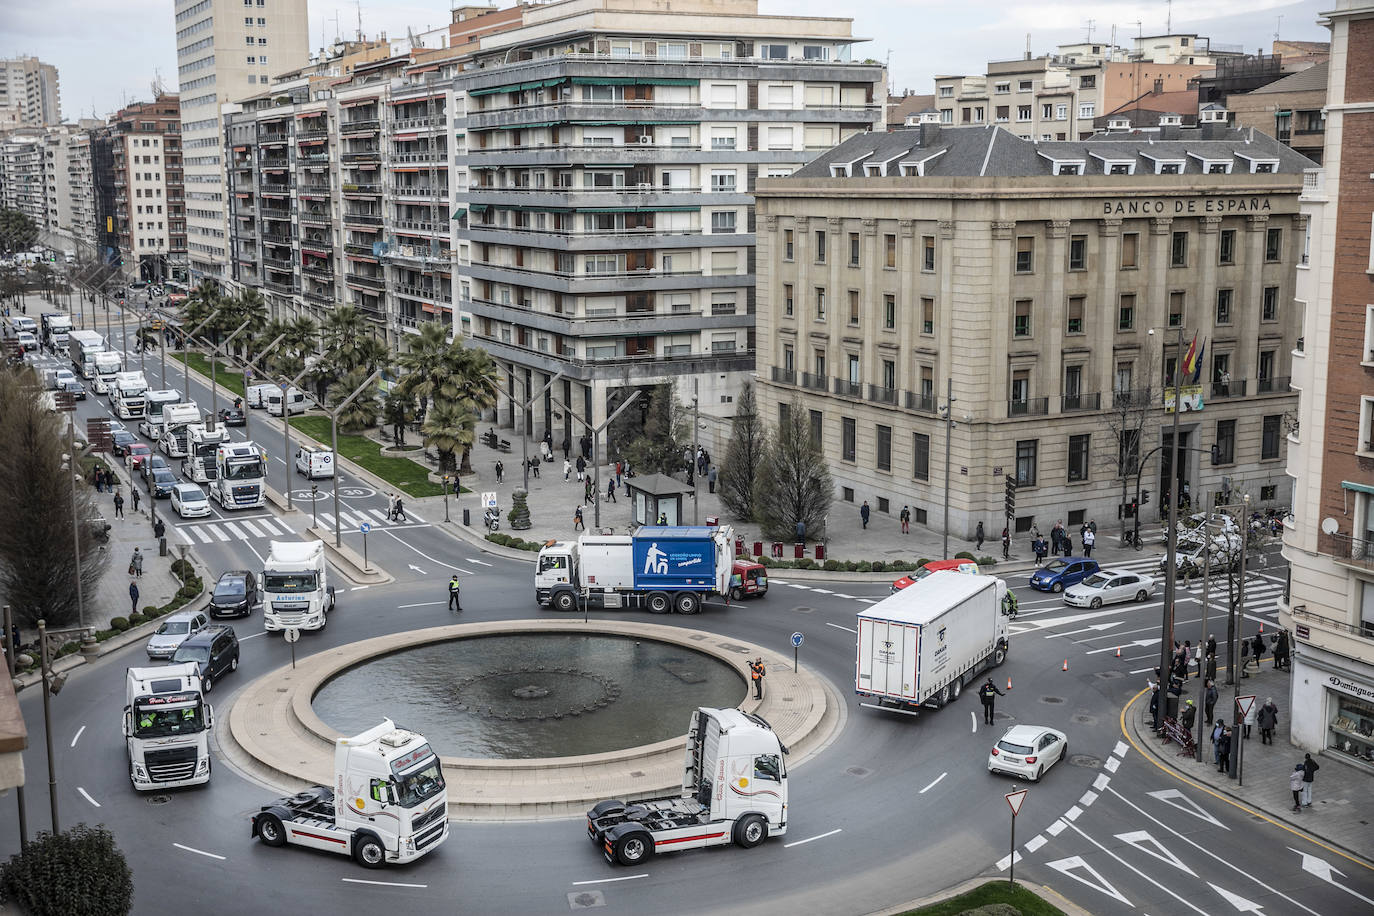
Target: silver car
[(174, 631)]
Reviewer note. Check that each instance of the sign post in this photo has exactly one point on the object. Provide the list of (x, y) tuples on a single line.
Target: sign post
[(291, 634), (1243, 707), (365, 527), (1015, 799), (796, 645)]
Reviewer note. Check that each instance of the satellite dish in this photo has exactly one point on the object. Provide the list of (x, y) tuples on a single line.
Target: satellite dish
[(1330, 526)]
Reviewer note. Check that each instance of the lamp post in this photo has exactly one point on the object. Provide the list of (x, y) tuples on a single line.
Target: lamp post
[(247, 372), (334, 443), (949, 436), (1237, 619), (314, 498), (214, 365), (286, 431), (594, 432), (52, 685), (185, 362), (524, 437), (1166, 628), (694, 471)]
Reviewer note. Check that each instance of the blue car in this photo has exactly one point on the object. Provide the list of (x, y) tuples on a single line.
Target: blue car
[(1058, 574)]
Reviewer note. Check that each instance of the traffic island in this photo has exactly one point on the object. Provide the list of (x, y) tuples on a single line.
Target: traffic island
[(275, 734), (349, 562)]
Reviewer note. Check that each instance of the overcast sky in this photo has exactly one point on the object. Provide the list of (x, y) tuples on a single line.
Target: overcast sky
[(109, 52)]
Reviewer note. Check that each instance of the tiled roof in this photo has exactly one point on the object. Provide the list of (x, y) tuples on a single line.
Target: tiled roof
[(1313, 78)]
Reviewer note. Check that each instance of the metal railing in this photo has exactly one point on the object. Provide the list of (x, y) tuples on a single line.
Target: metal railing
[(1363, 631), (1235, 388), (925, 403), (846, 388), (1028, 407), (365, 219), (814, 382), (784, 376), (1276, 385), (1072, 402), (880, 395)]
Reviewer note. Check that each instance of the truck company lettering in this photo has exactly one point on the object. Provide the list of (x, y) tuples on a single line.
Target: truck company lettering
[(1185, 207)]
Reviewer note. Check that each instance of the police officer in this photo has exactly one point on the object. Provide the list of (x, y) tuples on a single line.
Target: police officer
[(986, 694), (453, 603)]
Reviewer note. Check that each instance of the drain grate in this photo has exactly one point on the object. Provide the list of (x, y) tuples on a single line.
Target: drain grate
[(159, 799), (860, 772), (1051, 700), (1085, 760)]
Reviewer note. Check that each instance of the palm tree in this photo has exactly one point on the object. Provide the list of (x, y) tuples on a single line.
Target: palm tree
[(270, 331), (398, 411), (302, 341), (248, 306), (475, 382), (203, 300), (343, 331), (361, 413), (449, 426), (426, 365)]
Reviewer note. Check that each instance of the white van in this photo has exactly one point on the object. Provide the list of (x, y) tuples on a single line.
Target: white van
[(257, 394), (295, 399), (23, 324), (314, 461)]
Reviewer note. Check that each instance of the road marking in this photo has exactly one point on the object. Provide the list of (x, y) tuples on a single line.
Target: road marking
[(1140, 671), (1036, 842), (477, 561), (845, 597), (933, 784), (200, 852), (1089, 629), (232, 526), (839, 627), (1324, 869), (1166, 890), (250, 529), (1121, 749), (86, 795), (869, 600), (466, 572), (1072, 813), (1056, 828), (1101, 781), (421, 604), (1087, 799), (812, 839), (358, 588), (1066, 868), (974, 719), (1005, 861), (1142, 840), (77, 737), (609, 880), (252, 636), (182, 534), (1166, 796), (381, 883), (823, 591), (1111, 764)]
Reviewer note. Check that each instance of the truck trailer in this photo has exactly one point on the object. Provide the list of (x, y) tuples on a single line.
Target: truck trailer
[(295, 586), (734, 790), (923, 645), (167, 727), (660, 568), (82, 346)]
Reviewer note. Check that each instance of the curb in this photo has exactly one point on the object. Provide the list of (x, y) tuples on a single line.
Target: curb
[(1044, 892)]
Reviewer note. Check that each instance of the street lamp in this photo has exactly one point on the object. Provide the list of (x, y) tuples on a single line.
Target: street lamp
[(334, 437), (66, 402), (287, 385), (185, 361), (52, 685), (314, 496), (247, 373), (214, 365), (1166, 633)]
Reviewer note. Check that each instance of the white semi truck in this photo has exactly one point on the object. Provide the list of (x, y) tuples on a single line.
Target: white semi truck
[(167, 727), (295, 586), (923, 645), (154, 414), (56, 329), (240, 480), (82, 346), (176, 422), (129, 396), (734, 790), (388, 804), (108, 363), (201, 447)]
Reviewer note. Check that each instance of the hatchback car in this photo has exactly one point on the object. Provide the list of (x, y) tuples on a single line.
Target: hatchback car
[(235, 594), (190, 501), (75, 389), (136, 454), (215, 650), (962, 565), (231, 416), (155, 462), (1060, 573), (120, 440), (61, 377), (1028, 751), (174, 631), (162, 483), (27, 341), (1108, 586)]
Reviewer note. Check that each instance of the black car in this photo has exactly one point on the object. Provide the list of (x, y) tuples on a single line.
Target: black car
[(150, 465), (215, 649), (231, 416), (76, 390), (235, 594), (161, 483), (122, 439)]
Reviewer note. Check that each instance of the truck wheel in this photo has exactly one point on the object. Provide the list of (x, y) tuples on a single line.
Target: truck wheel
[(270, 830), (565, 602), (687, 603), (369, 852), (750, 831), (659, 603), (633, 848), (998, 657), (956, 688)]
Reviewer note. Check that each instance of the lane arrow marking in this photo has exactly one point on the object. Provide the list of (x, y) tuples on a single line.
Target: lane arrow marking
[(1134, 642), (1324, 870), (1171, 797), (418, 569), (1095, 627), (478, 562), (1237, 901)]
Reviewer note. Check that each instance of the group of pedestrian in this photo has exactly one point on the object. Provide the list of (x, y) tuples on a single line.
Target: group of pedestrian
[(395, 509), (1300, 782), (1221, 746), (104, 479)]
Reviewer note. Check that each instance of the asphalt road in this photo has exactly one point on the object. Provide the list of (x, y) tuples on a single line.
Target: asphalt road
[(895, 808)]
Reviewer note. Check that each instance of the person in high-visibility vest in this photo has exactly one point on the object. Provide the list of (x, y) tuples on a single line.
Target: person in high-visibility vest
[(756, 674), (453, 603), (988, 693)]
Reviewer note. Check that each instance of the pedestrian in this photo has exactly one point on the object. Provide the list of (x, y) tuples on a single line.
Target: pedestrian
[(1089, 539), (978, 536), (619, 472), (587, 495), (1249, 720), (662, 519), (1197, 658), (711, 478), (1281, 651), (1244, 657), (864, 512), (1211, 645), (1309, 769), (800, 531), (500, 470), (1039, 546), (1216, 743), (567, 449), (1210, 671), (610, 489), (1006, 544), (1189, 715), (136, 563), (1257, 649), (577, 520), (581, 467), (1295, 783), (159, 529), (119, 504), (98, 478), (400, 510), (1268, 721), (133, 597), (534, 467), (757, 674), (1209, 699), (567, 468), (134, 491), (1224, 750), (905, 517), (988, 693), (454, 604)]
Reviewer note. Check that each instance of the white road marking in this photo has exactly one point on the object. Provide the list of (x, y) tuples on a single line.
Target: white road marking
[(421, 604), (232, 526), (1111, 764), (1137, 871), (845, 597), (812, 839), (1005, 861), (200, 852), (609, 880), (253, 636), (77, 736), (381, 883), (869, 600), (358, 588), (1120, 749), (1072, 813), (248, 526), (466, 572), (1056, 828), (823, 591), (1087, 799), (974, 719), (1036, 842), (414, 515), (477, 561), (839, 627), (86, 795), (1140, 671), (219, 533), (1193, 808), (1101, 781), (1097, 627), (933, 784), (183, 535), (1066, 868), (379, 515)]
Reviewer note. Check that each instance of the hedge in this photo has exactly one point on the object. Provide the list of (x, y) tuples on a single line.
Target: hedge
[(80, 872), (505, 540)]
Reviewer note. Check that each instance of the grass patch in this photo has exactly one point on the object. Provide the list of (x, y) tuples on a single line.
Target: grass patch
[(223, 374), (405, 475), (993, 892)]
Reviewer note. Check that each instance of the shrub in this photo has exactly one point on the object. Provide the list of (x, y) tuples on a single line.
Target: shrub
[(805, 563), (879, 566), (900, 566), (963, 555), (832, 565), (137, 618), (182, 569), (987, 561), (921, 562), (865, 566), (119, 624), (80, 872), (150, 611)]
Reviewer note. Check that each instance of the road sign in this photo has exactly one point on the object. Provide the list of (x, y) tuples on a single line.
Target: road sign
[(291, 634), (797, 640), (365, 527), (1015, 799), (1244, 704)]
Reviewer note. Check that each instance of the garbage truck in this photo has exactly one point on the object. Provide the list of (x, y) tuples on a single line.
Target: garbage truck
[(659, 568), (167, 727), (388, 804), (295, 587)]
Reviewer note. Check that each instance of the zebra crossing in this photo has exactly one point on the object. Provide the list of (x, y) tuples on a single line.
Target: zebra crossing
[(259, 527)]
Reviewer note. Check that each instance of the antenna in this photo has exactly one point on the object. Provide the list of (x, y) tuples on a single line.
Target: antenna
[(1277, 27), (1091, 24), (336, 25), (359, 5), (1169, 17), (891, 84)]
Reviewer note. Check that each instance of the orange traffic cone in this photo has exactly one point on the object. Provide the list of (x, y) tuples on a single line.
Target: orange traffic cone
[(1261, 627), (1008, 683), (1066, 664), (1118, 655)]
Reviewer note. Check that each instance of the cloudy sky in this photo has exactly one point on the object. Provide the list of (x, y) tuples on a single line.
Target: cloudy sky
[(110, 51)]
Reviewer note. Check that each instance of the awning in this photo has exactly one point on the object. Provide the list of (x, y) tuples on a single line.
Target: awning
[(405, 168), (632, 81), (354, 102), (458, 214), (1358, 487), (405, 137), (650, 209), (318, 252), (576, 123), (309, 114), (516, 87), (477, 208)]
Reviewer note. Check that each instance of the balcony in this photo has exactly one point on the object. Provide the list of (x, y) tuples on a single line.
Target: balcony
[(278, 263), (1300, 613), (848, 389), (358, 249), (422, 191), (880, 395), (322, 272), (1276, 385), (924, 403), (438, 157), (438, 122), (1072, 402), (322, 296), (363, 219), (371, 190), (1350, 550), (784, 376), (418, 224), (1028, 407), (281, 286), (315, 219), (378, 283), (815, 382), (1232, 388), (367, 155), (417, 291), (1137, 397), (360, 125)]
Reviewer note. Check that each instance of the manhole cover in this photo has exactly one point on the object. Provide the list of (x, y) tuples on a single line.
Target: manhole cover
[(585, 900), (159, 799), (860, 772), (1109, 675), (1085, 720), (1051, 700), (803, 610), (1085, 760)]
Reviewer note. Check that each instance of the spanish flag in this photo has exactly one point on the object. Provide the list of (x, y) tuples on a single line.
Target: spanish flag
[(1190, 361)]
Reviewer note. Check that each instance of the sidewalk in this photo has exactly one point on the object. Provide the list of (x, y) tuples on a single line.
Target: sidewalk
[(1340, 793), (157, 585)]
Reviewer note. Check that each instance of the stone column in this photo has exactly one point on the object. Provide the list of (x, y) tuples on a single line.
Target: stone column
[(1156, 311), (1106, 334), (1047, 378), (996, 385), (1249, 298)]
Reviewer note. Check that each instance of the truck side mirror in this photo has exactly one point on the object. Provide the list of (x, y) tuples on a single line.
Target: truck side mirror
[(209, 716), (128, 723)]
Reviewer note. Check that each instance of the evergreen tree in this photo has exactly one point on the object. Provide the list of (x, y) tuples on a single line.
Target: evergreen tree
[(519, 515), (658, 448), (748, 441), (793, 483)]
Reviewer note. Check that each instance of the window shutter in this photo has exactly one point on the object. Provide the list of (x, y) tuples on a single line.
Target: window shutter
[(650, 49)]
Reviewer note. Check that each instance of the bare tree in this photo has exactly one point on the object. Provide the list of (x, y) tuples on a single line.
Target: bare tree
[(1130, 411), (748, 440), (793, 483)]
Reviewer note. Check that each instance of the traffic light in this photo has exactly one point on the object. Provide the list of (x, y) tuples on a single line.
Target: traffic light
[(1144, 497), (1011, 496)]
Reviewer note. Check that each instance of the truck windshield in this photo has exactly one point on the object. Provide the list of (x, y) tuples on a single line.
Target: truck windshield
[(164, 723), (419, 785), (206, 451), (288, 581), (245, 470)]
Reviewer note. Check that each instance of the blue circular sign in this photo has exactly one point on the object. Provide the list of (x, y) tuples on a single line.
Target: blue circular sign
[(365, 527), (797, 640)]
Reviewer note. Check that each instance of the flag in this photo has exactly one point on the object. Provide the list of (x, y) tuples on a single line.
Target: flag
[(1197, 373), (1190, 361)]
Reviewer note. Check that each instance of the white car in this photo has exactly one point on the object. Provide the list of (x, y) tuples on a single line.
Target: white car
[(314, 462), (1107, 586), (27, 341), (174, 631), (190, 501), (1028, 751)]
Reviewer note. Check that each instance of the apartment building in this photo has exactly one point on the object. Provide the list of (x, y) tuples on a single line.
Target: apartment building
[(1049, 283), (29, 93), (1329, 539), (1291, 109), (23, 186), (149, 195), (226, 50), (80, 179)]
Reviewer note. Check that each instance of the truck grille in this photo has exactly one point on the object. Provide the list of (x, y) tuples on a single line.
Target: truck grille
[(172, 764), (211, 472), (430, 835), (244, 495), (425, 820)]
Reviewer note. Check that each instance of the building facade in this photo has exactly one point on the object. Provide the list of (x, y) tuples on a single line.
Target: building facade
[(1291, 109), (29, 93), (149, 213), (23, 186), (1048, 284), (1329, 541)]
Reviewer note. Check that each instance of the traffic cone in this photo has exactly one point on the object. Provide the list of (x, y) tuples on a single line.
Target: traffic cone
[(1008, 683), (1066, 664), (1261, 627), (1118, 655)]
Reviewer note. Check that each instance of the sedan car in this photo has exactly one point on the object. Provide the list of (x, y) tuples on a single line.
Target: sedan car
[(154, 463), (162, 483), (235, 594), (1058, 574), (1028, 751), (231, 416), (173, 632), (962, 565), (190, 501), (136, 454), (76, 389), (121, 439), (1108, 586)]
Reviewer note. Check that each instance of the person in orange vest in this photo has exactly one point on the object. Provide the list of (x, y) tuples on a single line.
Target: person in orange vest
[(756, 674)]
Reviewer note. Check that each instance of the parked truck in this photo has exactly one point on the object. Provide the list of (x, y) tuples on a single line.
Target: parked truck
[(295, 586), (82, 347), (167, 727), (734, 790), (56, 328), (388, 804), (923, 645), (108, 363), (240, 480), (659, 568), (129, 395), (176, 421), (202, 445)]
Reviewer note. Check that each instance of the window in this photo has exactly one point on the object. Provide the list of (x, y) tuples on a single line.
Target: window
[(784, 415), (1128, 451), (928, 252), (1073, 387), (920, 456), (820, 303), (1088, 82), (1176, 300), (1078, 252), (1130, 245), (884, 448), (1125, 312), (854, 308), (946, 92), (1088, 110), (1023, 86), (1269, 438), (1061, 113), (847, 437), (927, 315), (1003, 114), (723, 138), (787, 303), (248, 40), (1078, 457), (889, 312), (817, 428), (818, 361), (1269, 311), (1074, 322), (1046, 112), (1021, 318), (1266, 370), (1273, 244), (889, 251), (854, 370), (853, 249), (723, 221), (723, 182), (788, 245), (1226, 251), (789, 359), (1023, 112), (1020, 391), (1002, 88), (889, 375), (1025, 254), (1226, 442), (820, 247), (1224, 297), (1025, 462), (1178, 250)]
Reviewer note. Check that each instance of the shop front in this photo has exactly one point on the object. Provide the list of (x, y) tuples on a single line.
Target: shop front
[(1350, 708)]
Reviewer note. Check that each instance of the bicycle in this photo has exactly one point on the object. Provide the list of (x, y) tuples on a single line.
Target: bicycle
[(1133, 539)]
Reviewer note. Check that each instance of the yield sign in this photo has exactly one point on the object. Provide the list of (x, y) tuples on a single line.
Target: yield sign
[(1244, 705), (1015, 799)]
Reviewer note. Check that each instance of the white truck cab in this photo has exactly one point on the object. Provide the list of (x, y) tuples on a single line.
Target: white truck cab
[(314, 461), (176, 422), (201, 446), (129, 395), (166, 727), (106, 364), (158, 401), (295, 587), (240, 480)]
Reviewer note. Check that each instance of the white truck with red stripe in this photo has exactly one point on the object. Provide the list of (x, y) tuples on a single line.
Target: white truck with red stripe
[(388, 805), (734, 790)]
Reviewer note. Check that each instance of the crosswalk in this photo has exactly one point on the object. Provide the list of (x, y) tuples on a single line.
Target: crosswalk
[(257, 527)]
